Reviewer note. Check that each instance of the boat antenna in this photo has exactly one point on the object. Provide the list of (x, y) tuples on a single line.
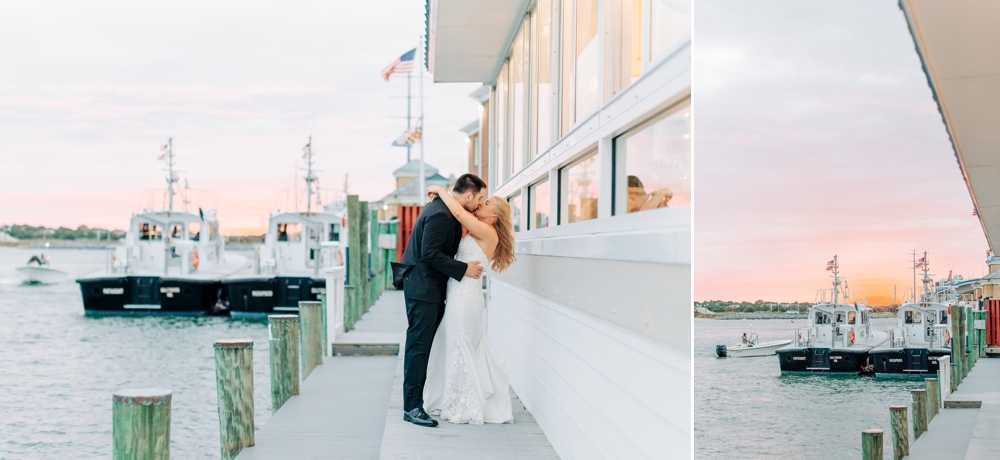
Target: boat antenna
[(915, 265), (927, 280)]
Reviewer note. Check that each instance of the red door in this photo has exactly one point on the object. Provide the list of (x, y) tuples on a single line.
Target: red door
[(407, 217), (993, 323)]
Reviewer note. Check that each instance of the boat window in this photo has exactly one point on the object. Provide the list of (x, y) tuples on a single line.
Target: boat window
[(334, 232), (840, 318), (913, 317), (194, 231), (149, 232), (851, 316), (176, 231), (944, 317), (289, 232)]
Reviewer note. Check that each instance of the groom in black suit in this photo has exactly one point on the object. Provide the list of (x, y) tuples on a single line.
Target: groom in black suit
[(427, 263)]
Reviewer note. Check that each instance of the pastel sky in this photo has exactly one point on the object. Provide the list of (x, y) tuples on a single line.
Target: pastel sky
[(90, 90), (815, 134)]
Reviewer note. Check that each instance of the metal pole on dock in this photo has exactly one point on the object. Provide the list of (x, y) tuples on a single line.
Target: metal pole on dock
[(283, 332), (871, 444), (900, 432), (141, 424), (919, 412), (234, 383), (933, 398), (310, 323)]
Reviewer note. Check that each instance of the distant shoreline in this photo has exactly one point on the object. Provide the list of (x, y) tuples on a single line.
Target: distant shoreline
[(769, 316)]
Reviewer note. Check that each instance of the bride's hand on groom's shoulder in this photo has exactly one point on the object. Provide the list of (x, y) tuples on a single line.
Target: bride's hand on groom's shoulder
[(434, 191)]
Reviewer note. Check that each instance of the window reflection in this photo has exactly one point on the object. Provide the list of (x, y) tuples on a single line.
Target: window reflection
[(501, 104), (626, 37), (517, 103), (656, 159), (581, 181), (587, 64), (541, 118), (515, 210), (538, 205), (670, 20)]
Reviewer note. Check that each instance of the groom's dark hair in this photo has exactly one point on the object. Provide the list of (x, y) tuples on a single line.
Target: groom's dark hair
[(467, 183)]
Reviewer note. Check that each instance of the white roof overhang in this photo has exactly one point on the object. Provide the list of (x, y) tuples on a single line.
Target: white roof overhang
[(468, 39), (959, 44)]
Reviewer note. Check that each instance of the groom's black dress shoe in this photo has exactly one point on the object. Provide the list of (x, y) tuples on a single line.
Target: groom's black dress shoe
[(419, 417)]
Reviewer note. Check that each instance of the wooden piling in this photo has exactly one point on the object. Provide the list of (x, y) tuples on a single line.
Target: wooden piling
[(352, 295), (933, 398), (900, 432), (141, 424), (234, 383), (324, 327), (310, 323), (283, 331), (919, 412), (871, 444)]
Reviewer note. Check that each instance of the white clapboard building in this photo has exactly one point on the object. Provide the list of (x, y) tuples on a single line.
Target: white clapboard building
[(587, 126)]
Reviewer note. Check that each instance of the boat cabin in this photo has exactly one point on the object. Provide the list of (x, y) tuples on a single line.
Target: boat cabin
[(165, 242), (300, 243)]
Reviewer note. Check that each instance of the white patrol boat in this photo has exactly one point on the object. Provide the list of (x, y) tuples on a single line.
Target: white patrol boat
[(172, 262), (289, 264), (839, 336), (923, 330)]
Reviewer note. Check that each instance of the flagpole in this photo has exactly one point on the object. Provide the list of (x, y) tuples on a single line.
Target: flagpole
[(423, 186), (170, 172), (408, 99)]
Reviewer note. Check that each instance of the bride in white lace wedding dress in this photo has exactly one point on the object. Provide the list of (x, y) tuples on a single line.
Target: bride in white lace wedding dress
[(466, 381)]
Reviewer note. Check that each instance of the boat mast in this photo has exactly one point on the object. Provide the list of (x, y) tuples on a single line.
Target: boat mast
[(836, 280), (927, 280), (171, 177), (914, 276), (310, 176)]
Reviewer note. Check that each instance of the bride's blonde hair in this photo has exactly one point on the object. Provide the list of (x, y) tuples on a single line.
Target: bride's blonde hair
[(503, 255)]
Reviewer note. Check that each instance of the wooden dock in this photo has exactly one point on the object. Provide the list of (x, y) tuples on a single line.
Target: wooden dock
[(966, 433), (350, 407)]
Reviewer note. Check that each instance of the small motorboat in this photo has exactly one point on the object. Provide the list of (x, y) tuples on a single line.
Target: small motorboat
[(39, 271), (750, 347)]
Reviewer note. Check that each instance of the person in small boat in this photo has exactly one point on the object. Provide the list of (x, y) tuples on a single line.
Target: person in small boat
[(746, 341)]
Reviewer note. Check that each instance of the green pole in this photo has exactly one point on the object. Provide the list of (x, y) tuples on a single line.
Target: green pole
[(234, 383), (283, 332), (310, 322), (141, 424)]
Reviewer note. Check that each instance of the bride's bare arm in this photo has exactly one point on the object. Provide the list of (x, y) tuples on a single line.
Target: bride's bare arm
[(475, 226)]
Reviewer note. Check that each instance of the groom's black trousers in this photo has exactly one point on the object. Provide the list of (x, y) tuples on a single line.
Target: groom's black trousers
[(423, 319)]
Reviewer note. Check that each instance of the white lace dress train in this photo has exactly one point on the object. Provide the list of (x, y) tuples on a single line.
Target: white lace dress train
[(466, 381)]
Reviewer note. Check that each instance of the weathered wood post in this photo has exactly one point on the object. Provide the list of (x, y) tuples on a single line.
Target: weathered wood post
[(933, 398), (310, 323), (234, 383), (364, 290), (919, 412), (283, 332), (871, 444), (900, 432), (141, 424), (354, 271), (324, 325)]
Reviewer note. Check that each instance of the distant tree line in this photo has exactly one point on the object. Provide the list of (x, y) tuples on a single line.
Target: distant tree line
[(724, 306), (83, 232)]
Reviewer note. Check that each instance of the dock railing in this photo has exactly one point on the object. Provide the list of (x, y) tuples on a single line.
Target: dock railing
[(333, 302)]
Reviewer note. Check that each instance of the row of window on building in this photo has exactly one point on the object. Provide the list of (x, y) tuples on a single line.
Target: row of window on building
[(550, 82), (651, 170)]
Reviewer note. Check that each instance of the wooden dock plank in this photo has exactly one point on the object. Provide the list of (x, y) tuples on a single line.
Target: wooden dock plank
[(522, 439)]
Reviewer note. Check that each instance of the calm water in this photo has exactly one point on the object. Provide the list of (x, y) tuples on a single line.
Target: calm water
[(59, 368), (745, 408)]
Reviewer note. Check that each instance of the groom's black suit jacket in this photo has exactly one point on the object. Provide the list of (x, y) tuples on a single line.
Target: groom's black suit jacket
[(430, 254)]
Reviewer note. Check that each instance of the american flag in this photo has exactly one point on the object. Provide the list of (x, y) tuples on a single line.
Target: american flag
[(829, 266), (409, 138), (402, 65), (920, 262), (163, 152)]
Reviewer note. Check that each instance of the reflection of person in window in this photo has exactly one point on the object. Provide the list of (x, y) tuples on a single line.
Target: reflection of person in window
[(639, 200)]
